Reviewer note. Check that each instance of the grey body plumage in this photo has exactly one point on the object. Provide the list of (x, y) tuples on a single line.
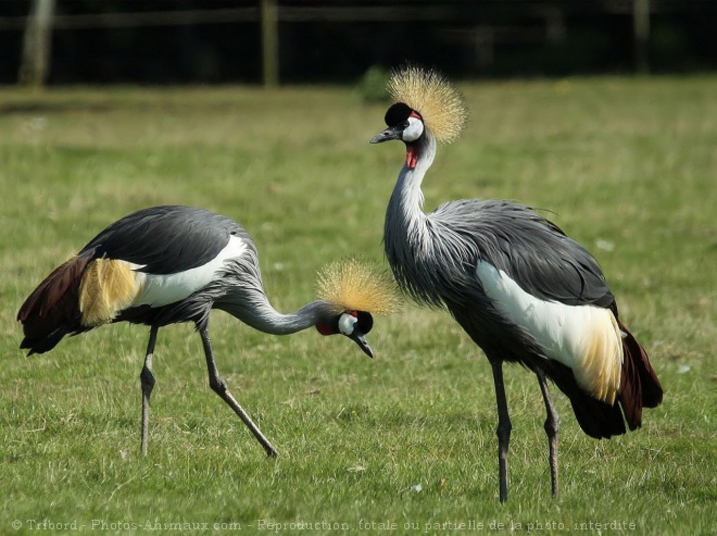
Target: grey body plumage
[(185, 237), (443, 247), (434, 257), (167, 239)]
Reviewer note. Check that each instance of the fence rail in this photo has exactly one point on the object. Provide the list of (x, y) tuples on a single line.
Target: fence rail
[(379, 13)]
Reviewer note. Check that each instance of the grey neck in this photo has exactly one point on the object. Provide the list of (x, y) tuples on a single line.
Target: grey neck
[(407, 192), (405, 218), (408, 239), (254, 309)]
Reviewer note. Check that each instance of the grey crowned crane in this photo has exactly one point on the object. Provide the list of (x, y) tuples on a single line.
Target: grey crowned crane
[(522, 290), (169, 264)]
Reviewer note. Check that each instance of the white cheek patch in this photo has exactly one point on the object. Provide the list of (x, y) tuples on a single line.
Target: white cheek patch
[(413, 131), (347, 323)]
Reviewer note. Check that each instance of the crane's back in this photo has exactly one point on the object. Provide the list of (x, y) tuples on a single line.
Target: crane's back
[(149, 267)]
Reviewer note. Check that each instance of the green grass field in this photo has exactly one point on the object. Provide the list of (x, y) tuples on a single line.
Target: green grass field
[(406, 441)]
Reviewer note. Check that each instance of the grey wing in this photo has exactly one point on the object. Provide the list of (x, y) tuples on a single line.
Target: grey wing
[(533, 251), (166, 239)]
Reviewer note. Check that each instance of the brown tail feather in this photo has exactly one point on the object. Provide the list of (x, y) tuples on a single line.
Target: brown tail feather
[(639, 386), (52, 311)]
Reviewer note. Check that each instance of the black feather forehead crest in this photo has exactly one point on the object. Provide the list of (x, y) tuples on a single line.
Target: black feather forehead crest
[(440, 104), (355, 285)]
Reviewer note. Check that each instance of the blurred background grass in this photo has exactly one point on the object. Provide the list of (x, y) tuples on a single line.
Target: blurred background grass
[(624, 165)]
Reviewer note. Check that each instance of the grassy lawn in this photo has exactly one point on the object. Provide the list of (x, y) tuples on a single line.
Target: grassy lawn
[(401, 444)]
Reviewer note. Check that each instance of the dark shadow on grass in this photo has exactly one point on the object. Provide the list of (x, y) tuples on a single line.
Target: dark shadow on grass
[(48, 106), (21, 108)]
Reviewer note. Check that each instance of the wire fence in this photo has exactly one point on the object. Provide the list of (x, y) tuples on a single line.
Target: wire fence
[(476, 25), (401, 12)]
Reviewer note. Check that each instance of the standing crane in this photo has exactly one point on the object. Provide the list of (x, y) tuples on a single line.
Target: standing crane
[(169, 264), (522, 290)]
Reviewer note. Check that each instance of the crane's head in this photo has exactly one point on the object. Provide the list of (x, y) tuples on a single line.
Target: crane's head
[(425, 103), (354, 324), (404, 124), (353, 291)]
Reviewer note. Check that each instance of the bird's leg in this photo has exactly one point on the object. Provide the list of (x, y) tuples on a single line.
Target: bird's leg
[(220, 387), (147, 380), (504, 428), (552, 425)]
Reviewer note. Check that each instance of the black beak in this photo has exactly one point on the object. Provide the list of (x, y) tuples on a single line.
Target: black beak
[(391, 133), (359, 339)]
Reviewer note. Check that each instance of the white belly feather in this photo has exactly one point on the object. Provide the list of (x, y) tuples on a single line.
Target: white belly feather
[(159, 290), (584, 338)]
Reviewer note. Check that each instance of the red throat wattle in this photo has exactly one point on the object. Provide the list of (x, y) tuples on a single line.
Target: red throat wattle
[(411, 156), (324, 329), (412, 150)]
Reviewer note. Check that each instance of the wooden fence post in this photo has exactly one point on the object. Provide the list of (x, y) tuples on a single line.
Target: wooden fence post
[(270, 42), (36, 45), (641, 25)]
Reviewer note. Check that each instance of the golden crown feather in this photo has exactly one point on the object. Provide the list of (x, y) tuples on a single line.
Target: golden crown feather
[(439, 102), (354, 285)]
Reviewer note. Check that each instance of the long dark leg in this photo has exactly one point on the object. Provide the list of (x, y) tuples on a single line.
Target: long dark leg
[(220, 387), (504, 428), (147, 380), (552, 425)]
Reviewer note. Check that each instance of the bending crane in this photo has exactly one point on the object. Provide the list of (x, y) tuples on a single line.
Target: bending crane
[(169, 264)]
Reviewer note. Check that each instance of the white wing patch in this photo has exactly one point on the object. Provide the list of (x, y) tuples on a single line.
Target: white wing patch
[(159, 290), (585, 338)]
